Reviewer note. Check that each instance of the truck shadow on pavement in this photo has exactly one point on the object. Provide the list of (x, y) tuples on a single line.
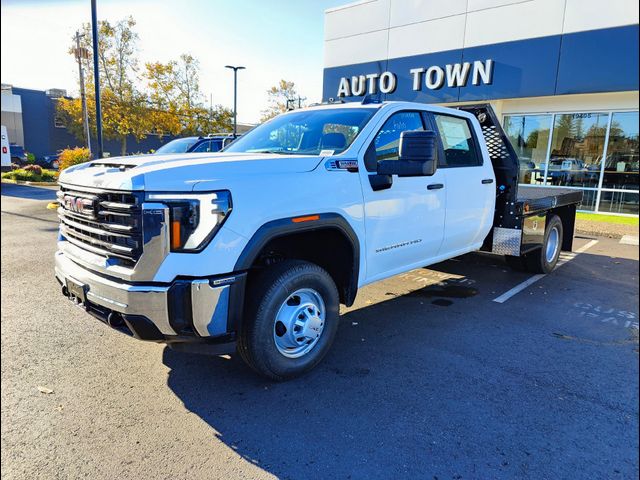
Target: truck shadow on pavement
[(411, 389)]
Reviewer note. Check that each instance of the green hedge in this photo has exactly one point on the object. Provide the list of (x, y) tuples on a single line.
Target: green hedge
[(32, 176)]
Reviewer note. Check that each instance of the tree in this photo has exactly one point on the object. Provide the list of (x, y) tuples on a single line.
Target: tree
[(162, 99), (281, 97), (123, 105), (174, 89)]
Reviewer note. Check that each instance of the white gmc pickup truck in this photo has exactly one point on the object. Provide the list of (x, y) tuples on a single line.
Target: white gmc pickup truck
[(253, 249)]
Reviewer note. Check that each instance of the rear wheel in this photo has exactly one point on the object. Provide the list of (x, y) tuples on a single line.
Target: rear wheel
[(542, 260), (291, 319)]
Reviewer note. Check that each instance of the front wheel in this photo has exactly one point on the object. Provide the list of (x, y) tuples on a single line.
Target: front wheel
[(291, 319)]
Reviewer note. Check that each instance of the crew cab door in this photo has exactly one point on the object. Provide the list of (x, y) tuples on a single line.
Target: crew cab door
[(470, 185), (404, 222)]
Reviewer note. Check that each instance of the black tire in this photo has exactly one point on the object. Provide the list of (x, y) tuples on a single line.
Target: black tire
[(266, 292), (536, 261)]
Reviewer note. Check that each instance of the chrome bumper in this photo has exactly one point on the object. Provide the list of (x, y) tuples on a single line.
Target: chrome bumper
[(201, 307)]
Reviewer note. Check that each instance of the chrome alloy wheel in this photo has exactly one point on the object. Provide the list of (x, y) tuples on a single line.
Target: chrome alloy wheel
[(553, 243), (299, 323)]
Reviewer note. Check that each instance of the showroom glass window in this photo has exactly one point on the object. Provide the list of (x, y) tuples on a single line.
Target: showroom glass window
[(529, 135), (577, 147), (621, 166)]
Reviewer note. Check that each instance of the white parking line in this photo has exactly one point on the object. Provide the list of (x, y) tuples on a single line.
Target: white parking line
[(564, 258), (630, 240)]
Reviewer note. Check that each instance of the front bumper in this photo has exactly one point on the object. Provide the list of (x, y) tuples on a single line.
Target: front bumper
[(186, 311)]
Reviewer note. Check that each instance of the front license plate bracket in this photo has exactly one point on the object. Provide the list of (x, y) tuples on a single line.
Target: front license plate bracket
[(77, 291)]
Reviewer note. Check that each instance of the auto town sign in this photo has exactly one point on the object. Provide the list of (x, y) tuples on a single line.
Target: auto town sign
[(433, 78)]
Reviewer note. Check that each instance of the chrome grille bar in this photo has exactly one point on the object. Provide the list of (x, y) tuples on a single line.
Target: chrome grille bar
[(109, 225)]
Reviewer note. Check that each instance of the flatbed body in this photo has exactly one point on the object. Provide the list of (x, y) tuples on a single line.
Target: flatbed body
[(521, 212), (536, 199)]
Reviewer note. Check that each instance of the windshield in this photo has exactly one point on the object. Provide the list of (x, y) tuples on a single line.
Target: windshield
[(180, 145), (308, 132)]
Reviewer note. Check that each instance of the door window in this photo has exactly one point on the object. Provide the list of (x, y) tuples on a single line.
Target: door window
[(387, 141), (457, 141), (203, 147)]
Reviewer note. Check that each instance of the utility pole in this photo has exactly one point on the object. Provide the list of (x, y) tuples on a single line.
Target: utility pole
[(235, 97), (96, 76), (291, 102), (82, 54)]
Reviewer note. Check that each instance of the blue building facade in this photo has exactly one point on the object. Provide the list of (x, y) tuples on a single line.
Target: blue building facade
[(35, 124), (562, 76)]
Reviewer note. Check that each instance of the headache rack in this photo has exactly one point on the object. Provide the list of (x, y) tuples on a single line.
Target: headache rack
[(105, 223)]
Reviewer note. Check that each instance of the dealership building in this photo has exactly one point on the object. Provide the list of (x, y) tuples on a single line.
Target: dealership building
[(562, 76)]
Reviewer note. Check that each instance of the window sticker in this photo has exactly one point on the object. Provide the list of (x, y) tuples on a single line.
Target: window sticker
[(326, 153), (455, 136)]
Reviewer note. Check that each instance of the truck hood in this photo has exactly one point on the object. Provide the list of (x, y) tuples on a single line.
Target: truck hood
[(180, 172)]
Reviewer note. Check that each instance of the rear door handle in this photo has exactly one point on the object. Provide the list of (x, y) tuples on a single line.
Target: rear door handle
[(487, 181), (435, 186)]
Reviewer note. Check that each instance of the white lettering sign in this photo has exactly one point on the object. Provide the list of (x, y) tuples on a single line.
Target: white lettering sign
[(433, 78), (387, 82)]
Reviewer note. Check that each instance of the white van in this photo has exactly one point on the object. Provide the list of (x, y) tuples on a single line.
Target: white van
[(6, 152)]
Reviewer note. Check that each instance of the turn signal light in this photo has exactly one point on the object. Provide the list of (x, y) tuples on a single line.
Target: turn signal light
[(176, 240), (308, 218)]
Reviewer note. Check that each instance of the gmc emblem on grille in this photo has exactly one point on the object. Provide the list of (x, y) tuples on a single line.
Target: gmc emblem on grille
[(79, 205)]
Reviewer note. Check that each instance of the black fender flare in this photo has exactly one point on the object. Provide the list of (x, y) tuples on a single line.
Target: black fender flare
[(285, 226)]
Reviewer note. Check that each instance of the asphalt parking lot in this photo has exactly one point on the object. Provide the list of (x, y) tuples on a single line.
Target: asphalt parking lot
[(429, 378)]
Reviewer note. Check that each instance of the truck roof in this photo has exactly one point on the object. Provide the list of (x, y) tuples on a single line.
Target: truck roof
[(388, 104)]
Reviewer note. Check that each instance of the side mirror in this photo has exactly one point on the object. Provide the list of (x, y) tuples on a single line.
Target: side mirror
[(417, 156)]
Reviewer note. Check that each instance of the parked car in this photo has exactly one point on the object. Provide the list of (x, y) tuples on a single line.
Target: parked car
[(211, 143), (50, 161), (18, 154), (567, 171), (254, 251)]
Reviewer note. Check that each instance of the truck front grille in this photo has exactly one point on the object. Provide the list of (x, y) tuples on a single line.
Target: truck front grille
[(106, 223)]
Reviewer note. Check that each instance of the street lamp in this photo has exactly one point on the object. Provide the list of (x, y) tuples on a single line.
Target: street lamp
[(235, 97), (83, 54), (96, 77)]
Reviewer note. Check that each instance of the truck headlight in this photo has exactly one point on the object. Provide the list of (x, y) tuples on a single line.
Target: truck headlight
[(194, 218)]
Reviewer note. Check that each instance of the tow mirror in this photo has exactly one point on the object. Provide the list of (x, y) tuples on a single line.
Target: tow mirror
[(417, 155)]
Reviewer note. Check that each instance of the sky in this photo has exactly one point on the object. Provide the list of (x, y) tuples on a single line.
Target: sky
[(273, 39)]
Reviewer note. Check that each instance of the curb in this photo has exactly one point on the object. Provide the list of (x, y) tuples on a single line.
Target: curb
[(34, 184)]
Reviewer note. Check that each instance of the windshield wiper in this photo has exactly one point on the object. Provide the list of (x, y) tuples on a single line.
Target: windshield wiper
[(276, 152)]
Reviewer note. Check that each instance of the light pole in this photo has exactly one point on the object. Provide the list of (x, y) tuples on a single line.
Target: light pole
[(83, 54), (235, 97), (96, 76)]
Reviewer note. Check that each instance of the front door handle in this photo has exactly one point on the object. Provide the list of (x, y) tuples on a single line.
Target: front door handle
[(487, 181), (435, 186)]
